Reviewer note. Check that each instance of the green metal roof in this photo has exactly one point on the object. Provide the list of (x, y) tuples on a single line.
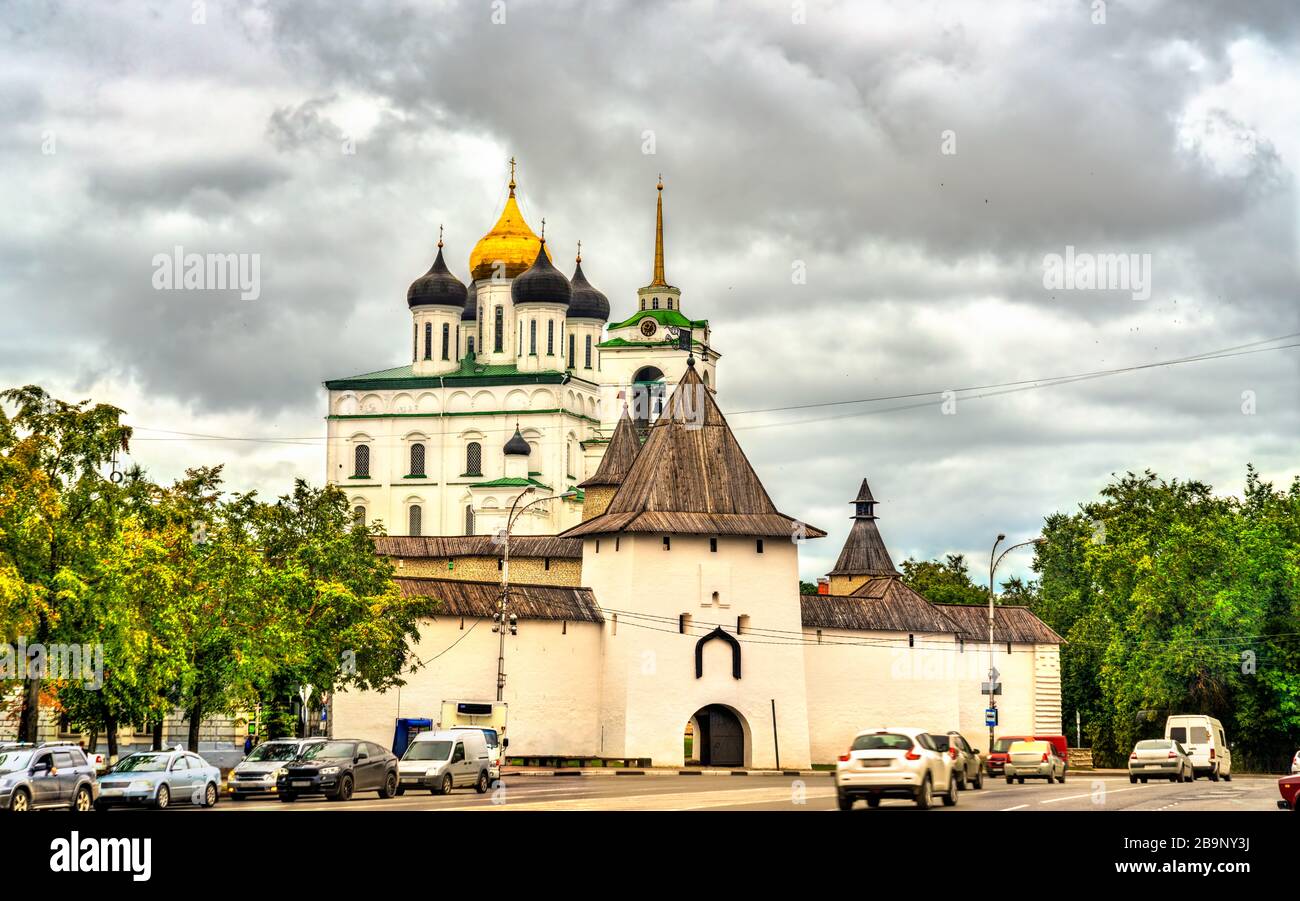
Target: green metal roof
[(510, 483), (470, 372), (663, 317)]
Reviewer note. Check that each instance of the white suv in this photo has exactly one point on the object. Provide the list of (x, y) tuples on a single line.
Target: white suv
[(894, 763)]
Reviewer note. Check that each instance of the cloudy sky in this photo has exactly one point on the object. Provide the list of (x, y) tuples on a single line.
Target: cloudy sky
[(818, 139)]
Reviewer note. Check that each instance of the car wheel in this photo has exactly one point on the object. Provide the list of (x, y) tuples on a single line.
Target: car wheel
[(482, 786), (445, 787), (845, 802), (344, 792), (873, 801), (1214, 775), (950, 797), (400, 791), (21, 802), (390, 786), (1132, 780), (210, 795), (1227, 777), (923, 795), (979, 780), (1061, 778), (1144, 780), (81, 801), (1020, 780), (288, 797), (1010, 780), (163, 799)]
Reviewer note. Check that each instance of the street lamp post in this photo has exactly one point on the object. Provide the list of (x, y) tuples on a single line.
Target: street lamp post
[(504, 619), (994, 559)]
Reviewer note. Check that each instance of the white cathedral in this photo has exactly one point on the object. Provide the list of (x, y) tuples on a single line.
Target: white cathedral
[(655, 583)]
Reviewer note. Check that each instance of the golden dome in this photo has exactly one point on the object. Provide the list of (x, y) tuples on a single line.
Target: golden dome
[(510, 241)]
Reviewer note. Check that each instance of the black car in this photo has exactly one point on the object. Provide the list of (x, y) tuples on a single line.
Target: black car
[(336, 769), (50, 775)]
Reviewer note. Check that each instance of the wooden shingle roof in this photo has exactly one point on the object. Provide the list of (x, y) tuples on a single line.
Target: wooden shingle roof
[(620, 454), (1011, 623), (691, 477), (477, 546), (884, 604), (458, 597)]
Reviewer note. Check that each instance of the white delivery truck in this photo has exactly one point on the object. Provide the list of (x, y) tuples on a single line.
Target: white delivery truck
[(1205, 743), (489, 717)]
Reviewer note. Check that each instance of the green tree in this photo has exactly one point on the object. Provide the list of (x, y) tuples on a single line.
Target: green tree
[(944, 581)]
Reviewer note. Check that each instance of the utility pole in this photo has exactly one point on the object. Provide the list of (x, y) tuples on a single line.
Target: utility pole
[(994, 559), (504, 619)]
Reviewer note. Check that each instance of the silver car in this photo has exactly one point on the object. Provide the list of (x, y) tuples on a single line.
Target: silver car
[(1033, 760), (159, 779), (1160, 758), (255, 774)]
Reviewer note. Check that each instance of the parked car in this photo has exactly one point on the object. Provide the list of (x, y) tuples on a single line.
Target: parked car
[(997, 758), (1206, 745), (255, 774), (444, 760), (1289, 788), (1036, 759), (337, 769), (1295, 763), (898, 762), (967, 765), (50, 775), (1160, 758), (159, 779)]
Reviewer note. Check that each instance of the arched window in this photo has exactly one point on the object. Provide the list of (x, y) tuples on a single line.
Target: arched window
[(532, 336), (670, 303), (587, 363), (414, 518), (499, 338), (415, 341), (568, 459), (471, 345), (655, 304), (361, 461), (446, 341), (571, 337), (417, 459), (473, 461), (469, 520), (550, 337), (359, 516), (428, 340)]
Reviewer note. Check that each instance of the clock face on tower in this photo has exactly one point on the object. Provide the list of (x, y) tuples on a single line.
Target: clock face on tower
[(648, 327)]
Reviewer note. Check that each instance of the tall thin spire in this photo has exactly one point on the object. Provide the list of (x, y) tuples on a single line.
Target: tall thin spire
[(659, 238)]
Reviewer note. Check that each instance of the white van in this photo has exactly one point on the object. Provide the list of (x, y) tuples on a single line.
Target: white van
[(496, 745), (1205, 743), (441, 761)]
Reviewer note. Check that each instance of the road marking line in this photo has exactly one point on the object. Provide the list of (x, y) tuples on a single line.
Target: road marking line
[(1109, 791), (1017, 807)]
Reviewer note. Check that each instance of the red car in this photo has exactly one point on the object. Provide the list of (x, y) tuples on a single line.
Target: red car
[(1289, 788), (997, 758)]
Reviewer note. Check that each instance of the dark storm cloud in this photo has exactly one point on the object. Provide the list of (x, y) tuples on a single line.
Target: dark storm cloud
[(332, 140)]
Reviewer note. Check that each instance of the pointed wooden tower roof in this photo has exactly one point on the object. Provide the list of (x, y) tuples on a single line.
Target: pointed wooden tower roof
[(864, 552), (692, 478), (621, 453)]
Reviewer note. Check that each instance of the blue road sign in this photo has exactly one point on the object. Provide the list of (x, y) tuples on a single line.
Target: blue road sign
[(990, 716)]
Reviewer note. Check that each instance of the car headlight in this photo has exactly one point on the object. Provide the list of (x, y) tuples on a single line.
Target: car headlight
[(330, 771), (431, 771), (139, 785)]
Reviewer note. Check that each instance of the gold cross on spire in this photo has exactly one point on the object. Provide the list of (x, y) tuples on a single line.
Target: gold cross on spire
[(512, 176)]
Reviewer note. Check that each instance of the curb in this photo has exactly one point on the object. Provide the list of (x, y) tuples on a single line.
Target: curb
[(613, 771)]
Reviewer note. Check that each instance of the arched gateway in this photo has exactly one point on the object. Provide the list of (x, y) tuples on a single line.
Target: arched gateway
[(719, 736)]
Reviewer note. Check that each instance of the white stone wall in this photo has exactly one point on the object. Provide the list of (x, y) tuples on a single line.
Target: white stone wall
[(651, 690), (552, 686)]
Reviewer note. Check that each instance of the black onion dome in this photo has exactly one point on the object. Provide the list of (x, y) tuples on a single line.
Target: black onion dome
[(542, 283), (586, 302), (471, 304), (517, 446), (437, 287)]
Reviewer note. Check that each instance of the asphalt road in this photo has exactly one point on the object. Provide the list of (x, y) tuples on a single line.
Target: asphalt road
[(1082, 791)]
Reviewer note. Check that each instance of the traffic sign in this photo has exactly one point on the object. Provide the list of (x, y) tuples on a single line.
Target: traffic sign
[(997, 688), (990, 716)]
